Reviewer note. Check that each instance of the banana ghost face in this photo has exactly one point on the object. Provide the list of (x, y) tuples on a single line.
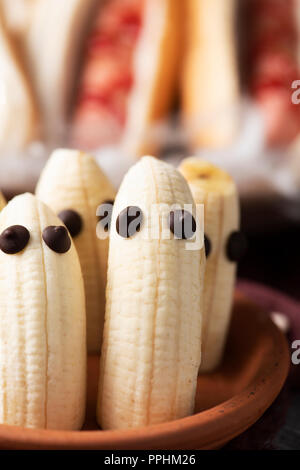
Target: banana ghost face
[(42, 320), (151, 344), (74, 187), (224, 246)]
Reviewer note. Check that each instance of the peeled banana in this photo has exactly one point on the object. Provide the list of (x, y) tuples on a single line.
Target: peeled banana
[(152, 334), (42, 320), (73, 185), (215, 189)]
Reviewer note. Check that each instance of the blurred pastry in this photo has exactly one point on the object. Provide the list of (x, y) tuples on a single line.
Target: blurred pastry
[(129, 74), (273, 65), (53, 47), (210, 85), (18, 117)]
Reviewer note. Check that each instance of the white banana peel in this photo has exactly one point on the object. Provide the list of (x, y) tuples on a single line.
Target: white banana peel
[(215, 189), (152, 334), (42, 326), (72, 180)]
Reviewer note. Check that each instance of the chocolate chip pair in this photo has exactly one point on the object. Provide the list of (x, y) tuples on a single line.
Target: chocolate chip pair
[(182, 224), (16, 237), (236, 246)]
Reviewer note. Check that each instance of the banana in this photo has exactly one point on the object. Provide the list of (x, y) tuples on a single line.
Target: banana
[(152, 334), (42, 320), (72, 180), (216, 190), (17, 108)]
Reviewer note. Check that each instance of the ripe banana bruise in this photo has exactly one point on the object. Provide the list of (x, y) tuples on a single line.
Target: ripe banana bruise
[(152, 334), (216, 190), (42, 320), (72, 182)]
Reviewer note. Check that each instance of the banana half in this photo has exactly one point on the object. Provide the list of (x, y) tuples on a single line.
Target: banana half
[(216, 190), (152, 334), (42, 320), (72, 181)]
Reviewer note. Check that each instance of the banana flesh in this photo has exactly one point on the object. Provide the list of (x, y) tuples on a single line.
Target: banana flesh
[(216, 190), (152, 334), (42, 327), (72, 180)]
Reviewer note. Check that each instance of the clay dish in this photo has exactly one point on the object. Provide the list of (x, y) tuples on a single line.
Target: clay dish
[(228, 401)]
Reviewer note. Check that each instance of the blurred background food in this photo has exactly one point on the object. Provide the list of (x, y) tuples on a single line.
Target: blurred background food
[(121, 78)]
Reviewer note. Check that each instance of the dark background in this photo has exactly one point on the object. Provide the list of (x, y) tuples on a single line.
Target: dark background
[(273, 256)]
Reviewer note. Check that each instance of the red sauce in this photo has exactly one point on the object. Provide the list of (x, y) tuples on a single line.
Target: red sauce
[(107, 73)]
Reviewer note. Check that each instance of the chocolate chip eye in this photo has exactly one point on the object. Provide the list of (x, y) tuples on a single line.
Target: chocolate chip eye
[(129, 221), (72, 221), (57, 238), (14, 239), (105, 210), (236, 246), (207, 245), (182, 224)]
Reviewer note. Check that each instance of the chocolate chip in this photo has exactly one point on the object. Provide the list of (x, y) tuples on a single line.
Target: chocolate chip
[(105, 210), (182, 224), (72, 221), (207, 245), (57, 238), (14, 239), (236, 246), (129, 221)]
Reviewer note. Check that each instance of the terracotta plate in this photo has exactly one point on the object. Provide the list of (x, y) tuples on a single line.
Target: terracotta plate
[(228, 401)]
